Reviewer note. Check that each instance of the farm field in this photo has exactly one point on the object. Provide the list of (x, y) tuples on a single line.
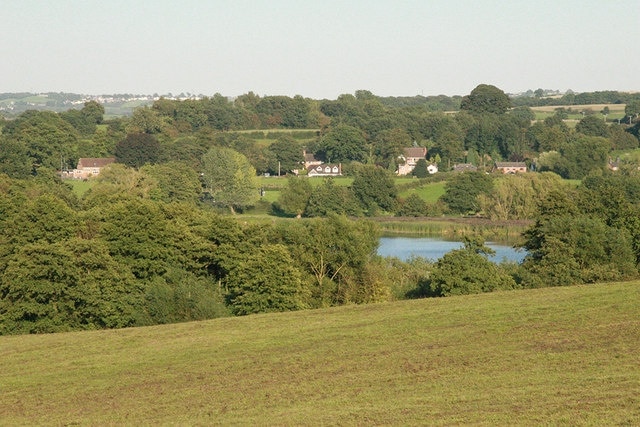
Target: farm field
[(616, 111), (534, 357)]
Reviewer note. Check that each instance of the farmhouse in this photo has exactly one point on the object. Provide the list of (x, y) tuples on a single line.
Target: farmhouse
[(310, 160), (511, 167), (324, 170), (409, 158), (89, 167)]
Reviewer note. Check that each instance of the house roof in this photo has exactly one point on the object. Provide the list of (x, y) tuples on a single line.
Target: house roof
[(95, 162), (325, 169), (461, 167), (415, 152), (511, 165)]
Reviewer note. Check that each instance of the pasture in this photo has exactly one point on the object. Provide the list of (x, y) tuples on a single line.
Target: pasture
[(616, 111), (534, 357)]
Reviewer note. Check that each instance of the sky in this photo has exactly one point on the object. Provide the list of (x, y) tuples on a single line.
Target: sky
[(318, 49)]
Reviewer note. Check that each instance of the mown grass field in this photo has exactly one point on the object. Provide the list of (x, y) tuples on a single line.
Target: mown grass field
[(554, 356), (429, 192)]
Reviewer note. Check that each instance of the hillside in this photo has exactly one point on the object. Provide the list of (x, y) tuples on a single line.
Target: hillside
[(548, 356)]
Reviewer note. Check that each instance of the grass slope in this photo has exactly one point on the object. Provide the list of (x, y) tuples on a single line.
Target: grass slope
[(548, 356)]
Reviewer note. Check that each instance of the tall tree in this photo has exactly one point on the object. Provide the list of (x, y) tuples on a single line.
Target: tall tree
[(287, 153), (462, 191), (294, 198), (330, 198), (593, 126), (230, 179), (375, 188), (486, 99), (343, 143)]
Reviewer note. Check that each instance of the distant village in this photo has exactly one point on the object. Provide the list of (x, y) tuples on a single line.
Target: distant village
[(13, 104)]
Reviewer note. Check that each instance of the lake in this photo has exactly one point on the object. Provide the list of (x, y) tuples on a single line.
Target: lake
[(434, 248)]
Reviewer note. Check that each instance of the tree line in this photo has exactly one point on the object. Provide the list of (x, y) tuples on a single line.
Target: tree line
[(129, 252), (360, 128), (148, 244)]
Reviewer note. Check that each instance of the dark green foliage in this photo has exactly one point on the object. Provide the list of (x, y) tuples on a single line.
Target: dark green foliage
[(329, 198), (14, 160), (486, 99), (420, 170), (86, 119), (138, 149), (287, 153), (74, 284), (593, 126), (333, 253), (374, 187), (343, 143), (49, 140), (582, 239), (462, 191), (179, 296), (621, 139), (265, 280), (583, 155), (468, 271), (388, 145), (565, 250), (413, 205)]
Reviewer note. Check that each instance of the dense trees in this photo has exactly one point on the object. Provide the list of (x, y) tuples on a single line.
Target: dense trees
[(144, 245), (462, 191), (47, 139), (267, 280), (343, 143)]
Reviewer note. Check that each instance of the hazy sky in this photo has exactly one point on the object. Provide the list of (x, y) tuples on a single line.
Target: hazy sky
[(318, 49)]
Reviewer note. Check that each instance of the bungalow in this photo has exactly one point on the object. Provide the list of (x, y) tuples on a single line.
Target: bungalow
[(324, 170), (409, 158), (90, 166), (511, 167)]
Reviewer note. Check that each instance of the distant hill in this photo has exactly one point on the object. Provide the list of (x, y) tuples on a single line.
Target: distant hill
[(534, 357)]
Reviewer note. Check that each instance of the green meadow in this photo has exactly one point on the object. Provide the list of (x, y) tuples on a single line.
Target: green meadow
[(552, 356), (616, 111)]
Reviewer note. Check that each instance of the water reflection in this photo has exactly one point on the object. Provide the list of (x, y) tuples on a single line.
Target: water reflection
[(434, 248)]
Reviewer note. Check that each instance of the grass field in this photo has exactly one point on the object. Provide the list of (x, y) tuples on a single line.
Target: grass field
[(430, 192), (616, 111), (554, 356), (79, 186)]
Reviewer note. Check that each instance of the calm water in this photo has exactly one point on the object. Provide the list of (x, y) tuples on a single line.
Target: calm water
[(433, 248)]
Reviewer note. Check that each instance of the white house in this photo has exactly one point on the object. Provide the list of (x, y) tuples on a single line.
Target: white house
[(90, 167), (324, 170), (409, 158)]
